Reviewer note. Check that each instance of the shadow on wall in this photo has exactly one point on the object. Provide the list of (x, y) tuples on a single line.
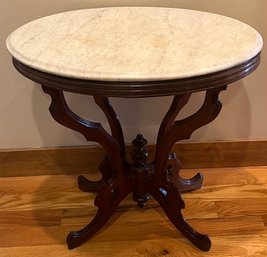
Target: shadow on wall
[(144, 115)]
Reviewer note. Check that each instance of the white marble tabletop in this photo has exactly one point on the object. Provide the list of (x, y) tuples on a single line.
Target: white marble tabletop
[(134, 43)]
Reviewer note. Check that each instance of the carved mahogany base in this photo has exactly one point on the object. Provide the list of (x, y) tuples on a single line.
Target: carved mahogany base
[(159, 179)]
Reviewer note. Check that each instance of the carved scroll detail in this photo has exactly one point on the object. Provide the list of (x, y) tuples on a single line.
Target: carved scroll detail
[(183, 129), (113, 187), (91, 130), (167, 195), (159, 179)]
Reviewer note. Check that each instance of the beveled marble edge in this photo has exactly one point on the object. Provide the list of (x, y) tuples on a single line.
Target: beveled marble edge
[(140, 88), (134, 76)]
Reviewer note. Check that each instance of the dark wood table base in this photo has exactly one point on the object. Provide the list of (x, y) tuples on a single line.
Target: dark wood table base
[(159, 179)]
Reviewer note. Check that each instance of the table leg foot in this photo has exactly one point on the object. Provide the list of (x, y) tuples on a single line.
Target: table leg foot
[(77, 238), (171, 202), (183, 185), (87, 185), (107, 201)]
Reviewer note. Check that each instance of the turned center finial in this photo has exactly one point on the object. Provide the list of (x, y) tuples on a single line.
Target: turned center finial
[(139, 153)]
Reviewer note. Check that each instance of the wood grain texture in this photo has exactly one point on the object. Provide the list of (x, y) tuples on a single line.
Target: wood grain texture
[(79, 160), (37, 212)]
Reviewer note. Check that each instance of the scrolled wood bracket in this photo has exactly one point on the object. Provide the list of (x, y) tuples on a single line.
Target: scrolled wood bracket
[(113, 187), (119, 178), (172, 131)]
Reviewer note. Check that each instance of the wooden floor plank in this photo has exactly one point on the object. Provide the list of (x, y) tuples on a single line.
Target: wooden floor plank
[(117, 231), (230, 176), (241, 207), (246, 246), (264, 219), (43, 218), (222, 192), (36, 214)]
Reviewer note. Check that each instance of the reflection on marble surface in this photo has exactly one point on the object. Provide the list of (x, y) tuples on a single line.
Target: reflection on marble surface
[(134, 43)]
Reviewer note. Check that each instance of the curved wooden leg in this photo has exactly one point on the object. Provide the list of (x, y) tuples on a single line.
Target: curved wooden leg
[(167, 196), (172, 131), (113, 187), (120, 178), (183, 185), (107, 201), (87, 185), (166, 185), (113, 120)]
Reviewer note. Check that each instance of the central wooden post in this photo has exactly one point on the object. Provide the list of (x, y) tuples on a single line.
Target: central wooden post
[(140, 168)]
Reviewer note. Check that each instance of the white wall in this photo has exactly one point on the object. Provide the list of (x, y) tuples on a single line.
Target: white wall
[(26, 122)]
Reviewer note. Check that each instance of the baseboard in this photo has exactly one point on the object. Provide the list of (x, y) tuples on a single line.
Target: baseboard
[(78, 160)]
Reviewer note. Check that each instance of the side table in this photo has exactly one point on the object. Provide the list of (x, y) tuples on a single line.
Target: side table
[(136, 52)]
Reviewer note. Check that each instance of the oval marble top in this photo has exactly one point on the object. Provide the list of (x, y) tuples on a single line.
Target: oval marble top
[(134, 43)]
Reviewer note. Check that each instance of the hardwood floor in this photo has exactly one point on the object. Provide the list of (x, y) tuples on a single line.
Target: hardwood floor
[(36, 214)]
